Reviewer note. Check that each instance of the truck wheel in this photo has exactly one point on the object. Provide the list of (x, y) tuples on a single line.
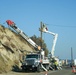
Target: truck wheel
[(39, 69), (34, 69), (23, 69)]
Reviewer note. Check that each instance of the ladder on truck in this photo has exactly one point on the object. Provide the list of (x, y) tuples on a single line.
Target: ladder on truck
[(20, 32)]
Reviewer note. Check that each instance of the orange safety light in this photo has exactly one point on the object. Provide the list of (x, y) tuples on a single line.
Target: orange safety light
[(39, 48)]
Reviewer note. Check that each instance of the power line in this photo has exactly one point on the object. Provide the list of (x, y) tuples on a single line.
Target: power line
[(66, 26)]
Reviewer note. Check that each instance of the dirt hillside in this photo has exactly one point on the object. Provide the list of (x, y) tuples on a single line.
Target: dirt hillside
[(12, 48)]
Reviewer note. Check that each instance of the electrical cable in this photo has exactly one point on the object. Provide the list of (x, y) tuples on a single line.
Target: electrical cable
[(65, 26)]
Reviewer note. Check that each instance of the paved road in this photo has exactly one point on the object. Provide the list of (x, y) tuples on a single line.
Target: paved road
[(67, 71)]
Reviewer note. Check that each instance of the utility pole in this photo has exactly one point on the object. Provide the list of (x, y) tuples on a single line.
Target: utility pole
[(71, 56), (41, 33)]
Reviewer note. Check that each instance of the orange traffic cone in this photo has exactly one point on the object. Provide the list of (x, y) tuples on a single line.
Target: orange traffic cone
[(46, 72), (73, 69)]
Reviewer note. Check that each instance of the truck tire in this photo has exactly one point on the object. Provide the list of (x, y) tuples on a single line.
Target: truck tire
[(23, 69)]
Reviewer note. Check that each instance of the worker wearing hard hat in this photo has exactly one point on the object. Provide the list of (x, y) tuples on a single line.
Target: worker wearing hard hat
[(55, 65)]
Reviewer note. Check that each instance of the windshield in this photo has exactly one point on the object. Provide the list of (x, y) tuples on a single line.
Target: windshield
[(32, 56)]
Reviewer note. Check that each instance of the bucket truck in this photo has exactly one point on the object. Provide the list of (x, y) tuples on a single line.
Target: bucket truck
[(32, 61), (53, 58), (45, 29)]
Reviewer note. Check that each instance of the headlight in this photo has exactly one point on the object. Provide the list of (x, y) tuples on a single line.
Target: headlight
[(36, 62)]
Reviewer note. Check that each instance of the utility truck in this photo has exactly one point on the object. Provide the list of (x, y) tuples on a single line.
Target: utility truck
[(33, 61), (52, 57), (74, 62), (74, 66)]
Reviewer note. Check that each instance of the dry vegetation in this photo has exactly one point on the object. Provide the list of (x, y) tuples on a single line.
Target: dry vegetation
[(12, 48)]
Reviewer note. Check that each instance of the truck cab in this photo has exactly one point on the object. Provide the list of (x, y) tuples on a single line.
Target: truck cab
[(31, 61)]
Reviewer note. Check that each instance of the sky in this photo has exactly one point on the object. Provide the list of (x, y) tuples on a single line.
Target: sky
[(58, 15)]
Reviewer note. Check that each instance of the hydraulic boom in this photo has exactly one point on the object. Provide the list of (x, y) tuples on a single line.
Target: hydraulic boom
[(20, 32), (44, 29)]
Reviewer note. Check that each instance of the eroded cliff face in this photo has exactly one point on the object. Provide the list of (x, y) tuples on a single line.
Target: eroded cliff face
[(12, 48)]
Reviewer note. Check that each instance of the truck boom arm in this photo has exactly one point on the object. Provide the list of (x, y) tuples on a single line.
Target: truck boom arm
[(20, 32), (54, 42), (44, 29)]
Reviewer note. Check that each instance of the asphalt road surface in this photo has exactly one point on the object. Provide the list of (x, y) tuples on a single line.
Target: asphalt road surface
[(66, 71)]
